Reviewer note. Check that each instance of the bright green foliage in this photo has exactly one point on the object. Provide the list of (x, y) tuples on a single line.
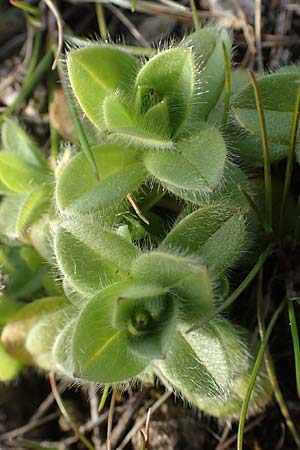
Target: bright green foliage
[(96, 72), (147, 251)]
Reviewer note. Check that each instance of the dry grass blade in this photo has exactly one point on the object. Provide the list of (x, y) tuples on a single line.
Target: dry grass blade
[(143, 420), (258, 35), (129, 25), (59, 22), (137, 209), (28, 427), (110, 418), (66, 413)]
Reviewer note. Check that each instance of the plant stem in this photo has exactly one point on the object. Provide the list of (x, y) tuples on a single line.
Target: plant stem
[(266, 153), (66, 413), (244, 284), (296, 345), (290, 159), (103, 398), (26, 89), (227, 85), (254, 374), (81, 135), (271, 370), (196, 19), (101, 20)]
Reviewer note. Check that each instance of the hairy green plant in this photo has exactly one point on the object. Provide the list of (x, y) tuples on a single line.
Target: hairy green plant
[(148, 248)]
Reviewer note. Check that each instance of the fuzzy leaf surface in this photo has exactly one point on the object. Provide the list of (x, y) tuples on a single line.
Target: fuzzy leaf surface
[(96, 72), (16, 141), (188, 280), (215, 232), (17, 329), (18, 174), (196, 165), (209, 59), (34, 206), (77, 190), (278, 93), (101, 352), (168, 75), (91, 256)]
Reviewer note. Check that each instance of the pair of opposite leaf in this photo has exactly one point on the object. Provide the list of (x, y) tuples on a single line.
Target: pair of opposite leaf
[(154, 115), (141, 304)]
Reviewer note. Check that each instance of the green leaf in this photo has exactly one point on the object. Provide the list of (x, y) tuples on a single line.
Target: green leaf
[(185, 277), (196, 165), (18, 174), (4, 190), (9, 366), (216, 233), (43, 334), (32, 259), (16, 141), (203, 366), (91, 256), (16, 331), (248, 148), (35, 205), (62, 349), (149, 314), (9, 212), (77, 190), (100, 352), (96, 72), (8, 307), (152, 131), (41, 238), (209, 58), (278, 93), (168, 76)]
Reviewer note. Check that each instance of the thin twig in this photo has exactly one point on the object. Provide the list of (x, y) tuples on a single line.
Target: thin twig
[(254, 374), (93, 397), (133, 203), (238, 291), (290, 159), (51, 5), (101, 20), (28, 427), (270, 366), (138, 425), (257, 28), (266, 152), (66, 413), (110, 418), (129, 25)]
